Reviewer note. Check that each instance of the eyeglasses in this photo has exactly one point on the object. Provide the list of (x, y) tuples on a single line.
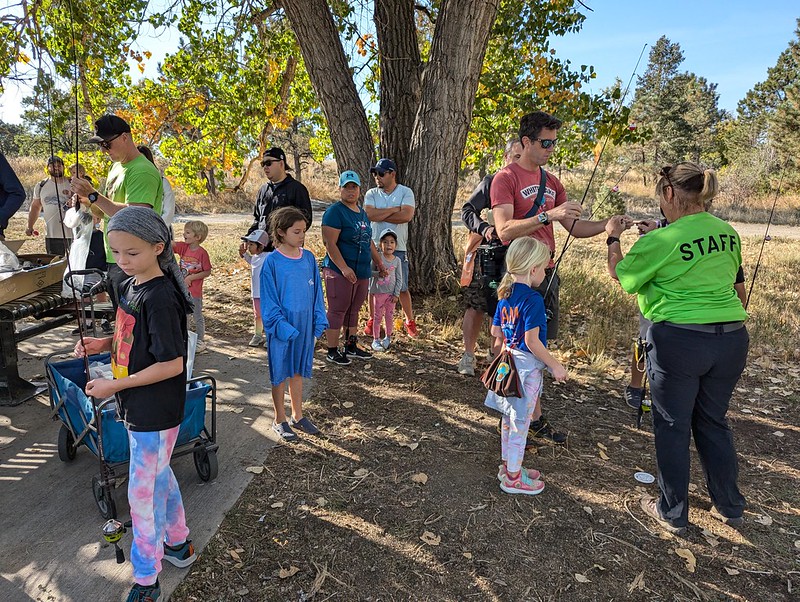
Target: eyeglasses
[(380, 173), (664, 173), (546, 142), (268, 163), (106, 144)]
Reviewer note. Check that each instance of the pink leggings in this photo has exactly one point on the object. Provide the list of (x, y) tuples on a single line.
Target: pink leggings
[(384, 306), (514, 435)]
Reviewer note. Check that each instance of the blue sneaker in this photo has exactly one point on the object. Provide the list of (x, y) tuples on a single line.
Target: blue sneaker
[(181, 555), (144, 593), (305, 425)]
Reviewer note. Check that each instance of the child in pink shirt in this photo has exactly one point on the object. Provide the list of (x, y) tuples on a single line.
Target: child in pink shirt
[(196, 266)]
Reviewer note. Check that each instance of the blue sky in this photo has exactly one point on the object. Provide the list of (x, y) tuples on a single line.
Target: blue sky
[(731, 43)]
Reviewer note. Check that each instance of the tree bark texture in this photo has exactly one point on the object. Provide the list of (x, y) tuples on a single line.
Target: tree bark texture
[(401, 68), (449, 84), (330, 75)]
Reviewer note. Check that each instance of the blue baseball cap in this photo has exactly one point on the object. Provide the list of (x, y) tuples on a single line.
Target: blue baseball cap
[(349, 176), (383, 165)]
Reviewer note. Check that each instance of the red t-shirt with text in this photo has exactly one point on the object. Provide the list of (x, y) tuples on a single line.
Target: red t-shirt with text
[(191, 262)]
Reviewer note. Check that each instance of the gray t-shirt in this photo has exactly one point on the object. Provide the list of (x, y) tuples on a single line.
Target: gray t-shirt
[(392, 283), (377, 197)]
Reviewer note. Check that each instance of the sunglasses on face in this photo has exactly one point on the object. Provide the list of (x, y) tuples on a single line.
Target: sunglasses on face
[(268, 163), (381, 173), (106, 144), (546, 142), (664, 173)]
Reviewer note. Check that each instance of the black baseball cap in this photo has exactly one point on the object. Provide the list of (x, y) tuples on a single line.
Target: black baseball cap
[(277, 154), (108, 127)]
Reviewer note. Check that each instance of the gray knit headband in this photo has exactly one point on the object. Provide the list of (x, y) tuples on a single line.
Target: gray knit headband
[(144, 223)]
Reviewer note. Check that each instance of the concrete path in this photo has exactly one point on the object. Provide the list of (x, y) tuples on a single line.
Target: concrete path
[(51, 547)]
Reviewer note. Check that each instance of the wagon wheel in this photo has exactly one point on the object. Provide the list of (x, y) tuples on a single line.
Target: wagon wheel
[(206, 463), (104, 499), (66, 445)]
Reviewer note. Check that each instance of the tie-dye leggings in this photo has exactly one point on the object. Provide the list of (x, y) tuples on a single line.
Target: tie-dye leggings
[(515, 433), (155, 501)]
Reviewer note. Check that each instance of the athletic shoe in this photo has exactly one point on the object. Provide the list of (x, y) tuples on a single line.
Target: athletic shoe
[(106, 327), (377, 346), (368, 327), (733, 521), (522, 484), (337, 357), (411, 329), (144, 593), (533, 474), (541, 429), (284, 431), (181, 556), (305, 425), (202, 347), (256, 341), (386, 342), (650, 507), (466, 365), (634, 396), (356, 352)]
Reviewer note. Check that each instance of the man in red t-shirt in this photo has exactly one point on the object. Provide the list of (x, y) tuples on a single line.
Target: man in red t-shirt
[(519, 210)]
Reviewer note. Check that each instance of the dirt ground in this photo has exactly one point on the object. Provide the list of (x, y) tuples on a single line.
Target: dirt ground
[(399, 499)]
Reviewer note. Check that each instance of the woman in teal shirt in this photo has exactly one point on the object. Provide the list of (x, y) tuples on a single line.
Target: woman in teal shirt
[(683, 276)]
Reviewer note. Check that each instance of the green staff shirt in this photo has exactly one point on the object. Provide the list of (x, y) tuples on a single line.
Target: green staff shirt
[(137, 181), (684, 273)]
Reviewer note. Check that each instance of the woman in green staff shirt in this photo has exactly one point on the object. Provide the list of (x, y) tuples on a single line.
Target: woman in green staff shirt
[(683, 276)]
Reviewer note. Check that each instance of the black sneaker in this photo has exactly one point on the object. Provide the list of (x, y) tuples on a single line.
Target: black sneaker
[(357, 352), (634, 397), (336, 357), (144, 593), (106, 327), (541, 429)]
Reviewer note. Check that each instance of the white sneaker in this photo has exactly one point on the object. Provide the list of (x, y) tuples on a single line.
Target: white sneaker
[(386, 342), (255, 341), (466, 365), (202, 347), (376, 346)]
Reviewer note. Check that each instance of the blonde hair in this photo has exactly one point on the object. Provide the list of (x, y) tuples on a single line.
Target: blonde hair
[(522, 256), (693, 186), (197, 228)]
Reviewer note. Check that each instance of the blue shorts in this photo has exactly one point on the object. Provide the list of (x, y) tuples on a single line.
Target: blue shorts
[(404, 263)]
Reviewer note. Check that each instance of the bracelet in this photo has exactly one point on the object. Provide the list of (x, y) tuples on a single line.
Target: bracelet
[(611, 240)]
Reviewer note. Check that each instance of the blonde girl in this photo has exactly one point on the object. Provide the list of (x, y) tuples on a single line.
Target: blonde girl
[(520, 324)]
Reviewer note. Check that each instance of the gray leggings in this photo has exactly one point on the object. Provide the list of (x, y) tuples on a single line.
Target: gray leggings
[(199, 320)]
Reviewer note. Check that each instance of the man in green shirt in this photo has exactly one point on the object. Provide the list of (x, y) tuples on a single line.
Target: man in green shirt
[(132, 180)]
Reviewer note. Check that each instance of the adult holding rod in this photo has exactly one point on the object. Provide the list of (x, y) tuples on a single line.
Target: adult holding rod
[(697, 346)]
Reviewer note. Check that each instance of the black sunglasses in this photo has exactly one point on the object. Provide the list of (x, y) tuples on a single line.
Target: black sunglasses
[(546, 142), (106, 144), (268, 162)]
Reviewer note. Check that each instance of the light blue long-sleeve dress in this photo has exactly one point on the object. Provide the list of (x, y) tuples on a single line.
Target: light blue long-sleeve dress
[(293, 311)]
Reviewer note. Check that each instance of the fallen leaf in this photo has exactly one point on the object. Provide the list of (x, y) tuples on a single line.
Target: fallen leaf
[(637, 583), (603, 447), (321, 501), (588, 510), (277, 505), (285, 573), (430, 538), (237, 410), (710, 538), (361, 472), (731, 571), (420, 478), (581, 578), (412, 446), (614, 438), (420, 371), (242, 592), (763, 519), (692, 487), (691, 561), (235, 555), (478, 507), (797, 544), (603, 455), (347, 404), (778, 434), (255, 469), (467, 555)]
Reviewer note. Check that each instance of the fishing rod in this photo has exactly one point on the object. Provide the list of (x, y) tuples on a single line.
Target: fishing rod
[(615, 116), (765, 239)]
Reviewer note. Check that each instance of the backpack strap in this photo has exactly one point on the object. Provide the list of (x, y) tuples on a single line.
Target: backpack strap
[(539, 202)]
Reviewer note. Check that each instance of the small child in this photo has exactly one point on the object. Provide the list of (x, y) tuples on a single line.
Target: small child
[(148, 359), (254, 252), (385, 291), (293, 312), (196, 266), (520, 323)]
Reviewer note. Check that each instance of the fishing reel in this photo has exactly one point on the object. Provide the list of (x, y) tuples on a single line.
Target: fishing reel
[(640, 356), (113, 530), (491, 261)]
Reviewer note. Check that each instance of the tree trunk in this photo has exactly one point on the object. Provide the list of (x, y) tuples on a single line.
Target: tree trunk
[(449, 83), (333, 83), (400, 65)]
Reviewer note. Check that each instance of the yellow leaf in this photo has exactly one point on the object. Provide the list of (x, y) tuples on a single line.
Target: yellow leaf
[(691, 561), (23, 58), (141, 67), (603, 455), (234, 555), (147, 53)]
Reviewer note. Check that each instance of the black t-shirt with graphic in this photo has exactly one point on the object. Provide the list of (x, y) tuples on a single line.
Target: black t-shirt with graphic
[(150, 328)]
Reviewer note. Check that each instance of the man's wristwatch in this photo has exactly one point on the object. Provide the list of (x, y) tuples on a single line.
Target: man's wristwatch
[(92, 196), (611, 240), (543, 219)]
